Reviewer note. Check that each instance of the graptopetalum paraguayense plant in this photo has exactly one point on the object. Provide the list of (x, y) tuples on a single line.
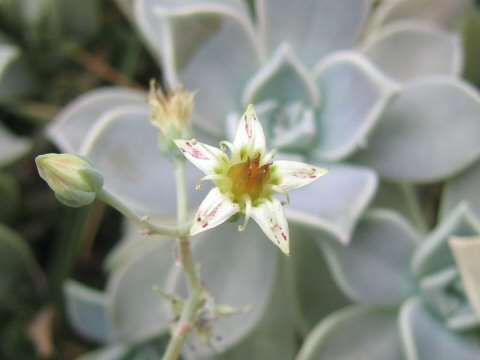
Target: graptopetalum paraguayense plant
[(335, 83)]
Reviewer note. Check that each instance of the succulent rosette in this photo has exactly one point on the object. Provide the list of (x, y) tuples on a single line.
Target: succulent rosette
[(410, 289), (360, 90)]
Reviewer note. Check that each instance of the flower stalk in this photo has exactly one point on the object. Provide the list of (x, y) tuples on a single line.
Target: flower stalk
[(196, 292)]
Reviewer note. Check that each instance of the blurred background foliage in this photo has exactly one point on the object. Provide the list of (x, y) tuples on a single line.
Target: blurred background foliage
[(52, 51)]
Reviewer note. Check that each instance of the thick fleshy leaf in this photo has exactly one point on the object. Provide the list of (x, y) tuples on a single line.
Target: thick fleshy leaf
[(71, 125), (416, 139), (334, 202), (124, 148), (312, 290), (214, 210), (462, 188), (355, 94), (203, 156), (87, 311), (238, 269), (404, 199), (424, 337), (12, 147), (208, 46), (113, 352), (374, 267), (313, 27), (25, 279), (407, 50), (433, 254), (466, 252), (135, 310), (443, 293), (294, 174), (273, 337), (358, 332), (282, 78), (270, 217), (132, 244), (441, 12), (249, 134), (8, 53)]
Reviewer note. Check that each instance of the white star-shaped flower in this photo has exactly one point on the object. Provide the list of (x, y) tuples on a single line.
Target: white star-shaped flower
[(246, 181)]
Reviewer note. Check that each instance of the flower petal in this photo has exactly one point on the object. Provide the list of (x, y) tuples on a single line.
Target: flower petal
[(295, 174), (270, 217), (250, 133), (214, 210), (203, 156)]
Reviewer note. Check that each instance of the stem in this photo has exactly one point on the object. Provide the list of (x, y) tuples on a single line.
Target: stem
[(141, 221), (196, 293)]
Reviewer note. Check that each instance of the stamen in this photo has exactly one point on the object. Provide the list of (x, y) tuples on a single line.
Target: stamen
[(287, 200), (211, 177), (248, 211), (226, 144), (268, 157)]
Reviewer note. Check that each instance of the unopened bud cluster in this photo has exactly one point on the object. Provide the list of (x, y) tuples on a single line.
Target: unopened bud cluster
[(171, 113)]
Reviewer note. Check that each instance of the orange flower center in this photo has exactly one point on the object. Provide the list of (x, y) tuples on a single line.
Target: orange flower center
[(248, 178)]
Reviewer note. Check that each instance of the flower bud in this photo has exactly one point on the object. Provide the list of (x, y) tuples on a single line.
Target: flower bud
[(73, 178), (170, 113)]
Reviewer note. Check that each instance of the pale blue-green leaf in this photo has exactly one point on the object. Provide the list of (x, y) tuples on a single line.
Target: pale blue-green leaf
[(416, 139), (273, 337), (466, 252), (131, 245), (424, 337), (313, 27), (440, 12), (8, 53), (12, 147), (123, 145), (283, 78), (462, 188), (406, 50), (71, 125), (355, 93), (374, 267), (443, 293), (334, 202), (136, 311), (312, 290), (433, 254), (209, 46), (113, 352), (238, 269), (358, 332), (86, 310), (404, 199)]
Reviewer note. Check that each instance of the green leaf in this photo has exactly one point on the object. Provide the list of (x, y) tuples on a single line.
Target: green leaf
[(12, 147)]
